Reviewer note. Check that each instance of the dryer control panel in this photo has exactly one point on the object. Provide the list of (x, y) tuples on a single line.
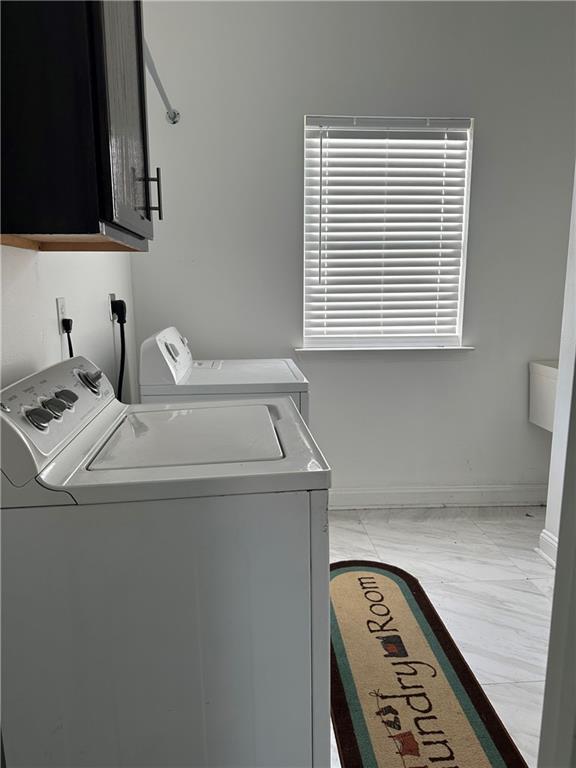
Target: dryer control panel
[(165, 358), (42, 412)]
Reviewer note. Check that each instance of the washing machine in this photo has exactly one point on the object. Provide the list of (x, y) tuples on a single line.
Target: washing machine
[(169, 373), (164, 580)]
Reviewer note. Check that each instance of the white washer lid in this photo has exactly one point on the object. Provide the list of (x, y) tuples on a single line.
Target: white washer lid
[(300, 467), (185, 437)]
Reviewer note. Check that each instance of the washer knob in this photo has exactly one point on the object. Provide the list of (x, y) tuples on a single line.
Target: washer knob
[(55, 406), (91, 379), (39, 418), (67, 396)]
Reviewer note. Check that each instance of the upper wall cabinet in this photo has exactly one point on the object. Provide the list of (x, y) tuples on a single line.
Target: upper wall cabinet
[(75, 172)]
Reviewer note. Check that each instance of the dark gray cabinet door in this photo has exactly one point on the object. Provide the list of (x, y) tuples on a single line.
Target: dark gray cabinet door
[(126, 135)]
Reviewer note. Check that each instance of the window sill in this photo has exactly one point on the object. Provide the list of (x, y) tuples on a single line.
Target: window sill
[(454, 348)]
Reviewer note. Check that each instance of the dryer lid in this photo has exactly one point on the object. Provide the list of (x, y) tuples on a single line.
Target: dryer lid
[(190, 436), (277, 374)]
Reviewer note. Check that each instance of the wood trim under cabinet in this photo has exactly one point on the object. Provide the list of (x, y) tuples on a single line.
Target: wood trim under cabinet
[(16, 241), (95, 242)]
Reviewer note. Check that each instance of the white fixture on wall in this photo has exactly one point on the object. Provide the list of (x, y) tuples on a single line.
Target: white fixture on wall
[(543, 376)]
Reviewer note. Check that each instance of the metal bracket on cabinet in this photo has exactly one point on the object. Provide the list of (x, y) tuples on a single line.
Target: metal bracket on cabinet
[(172, 115)]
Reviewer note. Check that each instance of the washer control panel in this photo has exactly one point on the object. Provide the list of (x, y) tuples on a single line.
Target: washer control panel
[(92, 380), (50, 406)]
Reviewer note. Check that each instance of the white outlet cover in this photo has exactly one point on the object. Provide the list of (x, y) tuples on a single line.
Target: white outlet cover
[(111, 298), (60, 312)]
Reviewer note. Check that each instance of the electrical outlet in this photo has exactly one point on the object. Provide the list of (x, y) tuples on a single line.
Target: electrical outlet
[(111, 298), (60, 312)]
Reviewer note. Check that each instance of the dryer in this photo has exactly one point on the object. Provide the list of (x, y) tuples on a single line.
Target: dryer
[(165, 580), (169, 373)]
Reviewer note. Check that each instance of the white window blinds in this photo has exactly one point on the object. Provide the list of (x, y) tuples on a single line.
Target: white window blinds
[(385, 211)]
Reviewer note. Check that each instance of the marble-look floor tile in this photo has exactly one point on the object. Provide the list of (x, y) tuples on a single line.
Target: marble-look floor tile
[(349, 540), (519, 706), (417, 513), (414, 529), (501, 627), (517, 540), (346, 525), (528, 516), (442, 548), (545, 585), (452, 565), (524, 529), (528, 561), (343, 516)]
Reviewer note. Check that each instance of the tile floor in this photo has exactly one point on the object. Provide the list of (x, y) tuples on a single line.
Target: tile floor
[(493, 592)]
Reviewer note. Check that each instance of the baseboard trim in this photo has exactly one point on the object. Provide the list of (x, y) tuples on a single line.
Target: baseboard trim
[(521, 494), (548, 548)]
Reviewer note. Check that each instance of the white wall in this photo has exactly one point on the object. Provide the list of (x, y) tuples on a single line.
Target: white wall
[(226, 266), (30, 284)]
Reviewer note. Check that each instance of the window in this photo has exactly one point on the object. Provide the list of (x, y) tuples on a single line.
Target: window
[(385, 211)]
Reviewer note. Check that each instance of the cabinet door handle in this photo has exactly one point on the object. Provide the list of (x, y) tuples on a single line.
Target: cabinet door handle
[(158, 180)]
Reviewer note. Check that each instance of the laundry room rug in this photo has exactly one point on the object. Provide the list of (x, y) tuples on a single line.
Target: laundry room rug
[(402, 694)]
